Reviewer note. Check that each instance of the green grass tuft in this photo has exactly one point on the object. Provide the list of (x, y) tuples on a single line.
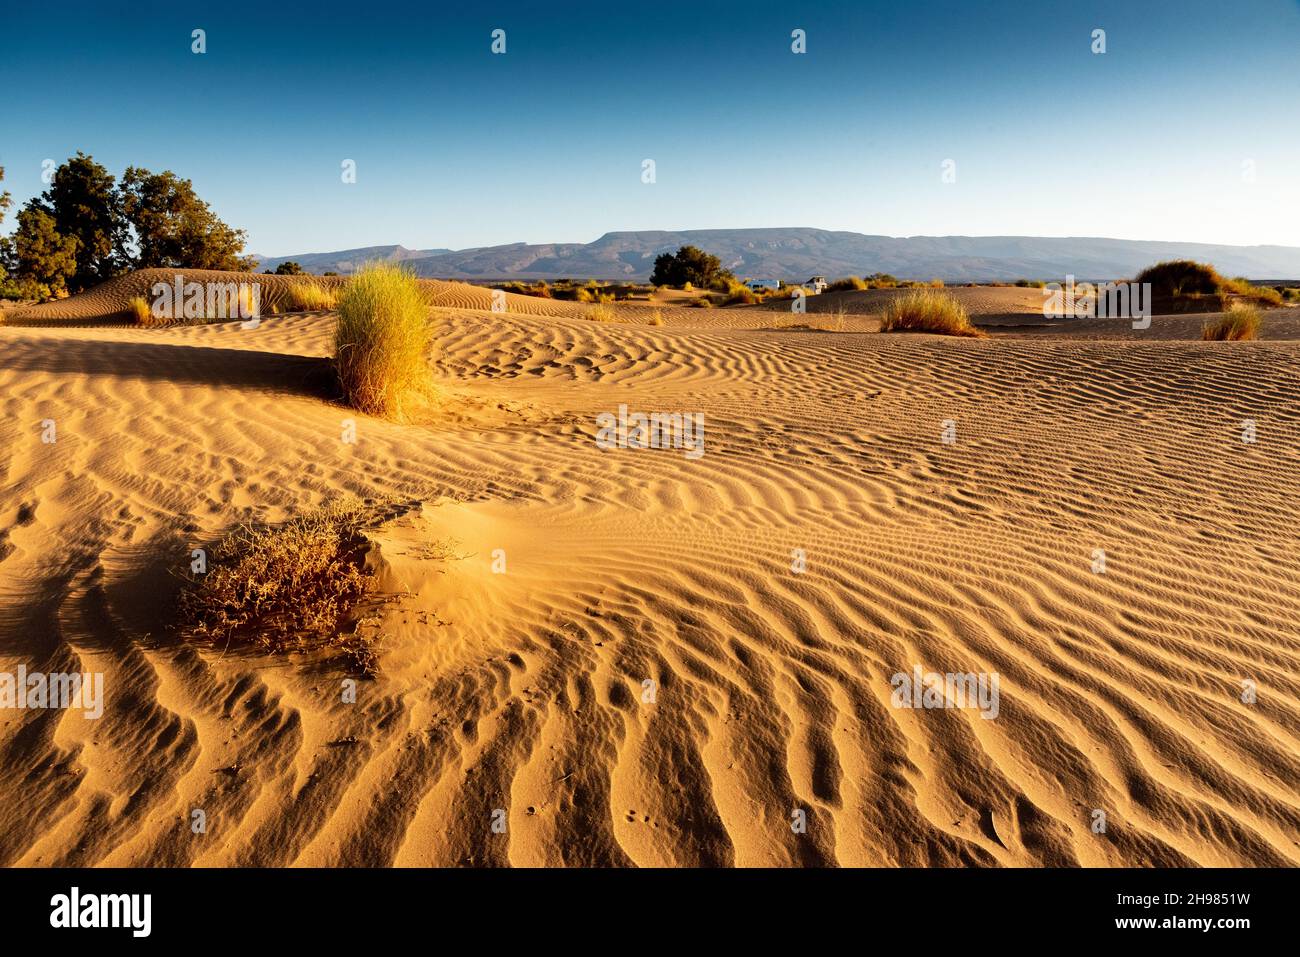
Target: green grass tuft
[(382, 340), (928, 311)]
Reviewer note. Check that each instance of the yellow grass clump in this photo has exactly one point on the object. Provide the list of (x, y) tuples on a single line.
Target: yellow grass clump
[(601, 313), (382, 339), (1239, 323), (656, 318), (1184, 278), (1244, 287), (738, 294), (928, 311), (287, 588), (309, 297), (141, 311)]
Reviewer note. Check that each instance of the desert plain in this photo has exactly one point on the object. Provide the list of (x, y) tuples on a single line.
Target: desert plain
[(627, 656)]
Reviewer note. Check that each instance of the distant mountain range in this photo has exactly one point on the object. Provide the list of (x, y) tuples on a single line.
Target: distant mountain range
[(798, 253)]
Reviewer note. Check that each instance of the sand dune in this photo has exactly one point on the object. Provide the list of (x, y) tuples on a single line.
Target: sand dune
[(110, 301), (524, 691), (979, 301)]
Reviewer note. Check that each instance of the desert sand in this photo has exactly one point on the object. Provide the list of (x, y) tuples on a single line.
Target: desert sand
[(524, 691)]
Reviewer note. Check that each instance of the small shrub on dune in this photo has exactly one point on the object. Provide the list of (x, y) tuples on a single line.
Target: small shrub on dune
[(740, 295), (1244, 287), (287, 588), (1267, 294), (601, 313), (536, 289), (849, 284), (308, 297), (704, 302), (1181, 277), (141, 311), (382, 338), (1240, 323), (583, 295), (656, 318), (926, 311), (883, 280)]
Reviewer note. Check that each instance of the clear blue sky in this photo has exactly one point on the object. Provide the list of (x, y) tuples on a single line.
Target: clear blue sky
[(458, 147)]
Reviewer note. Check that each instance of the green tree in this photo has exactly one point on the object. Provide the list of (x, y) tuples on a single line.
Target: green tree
[(85, 207), (42, 254), (688, 264), (168, 225), (289, 268), (150, 220)]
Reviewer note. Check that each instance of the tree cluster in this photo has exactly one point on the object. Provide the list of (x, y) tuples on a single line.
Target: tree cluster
[(88, 227), (689, 264)]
